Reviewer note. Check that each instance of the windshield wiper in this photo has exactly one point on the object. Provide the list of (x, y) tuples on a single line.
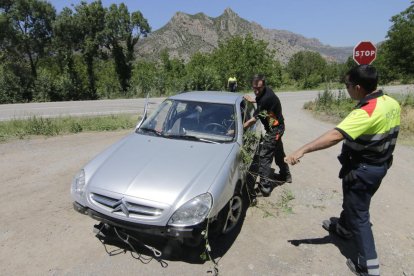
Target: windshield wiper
[(151, 130), (190, 137)]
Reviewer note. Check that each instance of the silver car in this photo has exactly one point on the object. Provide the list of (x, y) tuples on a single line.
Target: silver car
[(183, 169)]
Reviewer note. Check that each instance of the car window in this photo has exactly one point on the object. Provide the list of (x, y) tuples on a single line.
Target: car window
[(247, 110), (156, 119), (202, 120)]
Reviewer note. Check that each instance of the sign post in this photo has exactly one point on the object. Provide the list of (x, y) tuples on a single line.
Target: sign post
[(365, 52)]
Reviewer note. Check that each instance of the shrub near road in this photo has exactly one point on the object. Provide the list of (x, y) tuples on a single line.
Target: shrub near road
[(334, 107)]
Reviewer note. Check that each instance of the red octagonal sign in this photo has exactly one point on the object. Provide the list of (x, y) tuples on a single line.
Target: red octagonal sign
[(365, 52)]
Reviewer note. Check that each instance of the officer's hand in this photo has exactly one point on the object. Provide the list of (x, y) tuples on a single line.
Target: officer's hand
[(293, 158)]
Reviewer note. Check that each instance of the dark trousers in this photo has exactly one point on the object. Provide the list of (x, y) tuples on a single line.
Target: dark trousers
[(271, 148), (358, 187)]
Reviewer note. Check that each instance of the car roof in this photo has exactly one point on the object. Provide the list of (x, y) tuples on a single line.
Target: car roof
[(209, 96)]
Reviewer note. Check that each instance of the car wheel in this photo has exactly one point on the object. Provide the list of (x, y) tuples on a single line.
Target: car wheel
[(234, 213)]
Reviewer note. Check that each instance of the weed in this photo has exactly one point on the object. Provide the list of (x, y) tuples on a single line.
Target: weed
[(282, 205), (285, 198)]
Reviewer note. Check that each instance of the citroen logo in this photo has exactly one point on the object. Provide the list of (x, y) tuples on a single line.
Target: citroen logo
[(121, 205)]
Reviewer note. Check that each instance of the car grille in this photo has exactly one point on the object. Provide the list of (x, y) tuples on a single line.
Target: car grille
[(123, 207)]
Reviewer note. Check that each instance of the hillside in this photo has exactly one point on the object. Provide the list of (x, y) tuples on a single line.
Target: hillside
[(187, 34)]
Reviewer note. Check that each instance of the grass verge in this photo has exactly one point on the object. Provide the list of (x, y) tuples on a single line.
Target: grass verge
[(34, 126)]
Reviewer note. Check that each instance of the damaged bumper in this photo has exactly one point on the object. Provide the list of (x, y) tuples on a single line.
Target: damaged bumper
[(181, 233)]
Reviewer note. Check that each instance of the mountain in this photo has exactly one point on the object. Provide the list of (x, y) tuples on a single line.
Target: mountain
[(187, 34)]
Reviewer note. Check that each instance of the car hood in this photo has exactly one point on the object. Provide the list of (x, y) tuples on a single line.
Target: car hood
[(163, 170)]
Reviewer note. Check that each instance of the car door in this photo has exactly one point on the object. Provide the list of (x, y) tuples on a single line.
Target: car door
[(248, 109)]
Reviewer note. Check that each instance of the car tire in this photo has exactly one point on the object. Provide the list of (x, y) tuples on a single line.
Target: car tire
[(229, 217), (234, 213)]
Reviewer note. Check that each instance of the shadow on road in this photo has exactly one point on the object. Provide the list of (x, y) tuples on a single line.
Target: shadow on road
[(346, 247)]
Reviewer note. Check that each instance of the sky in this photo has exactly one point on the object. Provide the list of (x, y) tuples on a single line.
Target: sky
[(333, 22)]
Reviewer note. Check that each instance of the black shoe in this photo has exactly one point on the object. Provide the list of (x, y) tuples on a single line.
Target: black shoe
[(284, 178), (288, 178), (265, 190), (356, 269), (253, 201), (333, 226)]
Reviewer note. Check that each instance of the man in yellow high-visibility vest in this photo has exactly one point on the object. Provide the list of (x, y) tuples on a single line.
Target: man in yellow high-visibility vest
[(232, 84), (370, 133)]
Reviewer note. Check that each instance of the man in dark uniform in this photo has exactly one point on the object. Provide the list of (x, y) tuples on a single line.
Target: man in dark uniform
[(370, 132), (269, 111)]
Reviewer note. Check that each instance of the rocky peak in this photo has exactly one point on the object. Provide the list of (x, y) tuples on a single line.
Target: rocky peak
[(187, 34), (229, 12), (179, 17)]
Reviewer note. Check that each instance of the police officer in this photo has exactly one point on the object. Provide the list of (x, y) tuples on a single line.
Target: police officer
[(232, 84), (369, 132), (269, 111)]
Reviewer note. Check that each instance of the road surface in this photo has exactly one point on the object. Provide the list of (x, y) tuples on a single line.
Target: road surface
[(106, 107)]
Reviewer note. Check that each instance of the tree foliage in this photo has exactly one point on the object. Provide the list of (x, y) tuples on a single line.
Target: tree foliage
[(243, 57), (88, 52), (307, 68), (396, 54), (122, 33), (26, 34)]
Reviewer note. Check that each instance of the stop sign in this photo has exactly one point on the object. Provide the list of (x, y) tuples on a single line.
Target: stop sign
[(365, 52)]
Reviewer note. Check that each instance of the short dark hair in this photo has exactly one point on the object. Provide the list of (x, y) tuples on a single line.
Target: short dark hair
[(259, 77), (365, 76)]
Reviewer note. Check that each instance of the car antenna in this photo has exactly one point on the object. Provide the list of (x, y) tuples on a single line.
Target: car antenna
[(144, 116)]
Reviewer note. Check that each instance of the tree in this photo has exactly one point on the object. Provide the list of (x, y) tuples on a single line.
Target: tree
[(90, 22), (398, 49), (123, 31), (144, 77), (243, 57), (201, 75), (307, 68), (26, 33), (67, 41), (170, 74), (386, 71)]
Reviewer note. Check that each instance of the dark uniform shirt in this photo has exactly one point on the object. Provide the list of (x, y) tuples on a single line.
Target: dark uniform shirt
[(269, 109), (371, 129)]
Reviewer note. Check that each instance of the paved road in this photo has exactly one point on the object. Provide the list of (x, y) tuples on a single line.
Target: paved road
[(135, 106), (74, 108)]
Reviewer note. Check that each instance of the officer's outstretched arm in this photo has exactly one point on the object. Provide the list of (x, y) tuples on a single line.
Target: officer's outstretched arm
[(326, 140)]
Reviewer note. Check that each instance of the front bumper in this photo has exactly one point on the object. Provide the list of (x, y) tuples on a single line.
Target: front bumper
[(180, 233)]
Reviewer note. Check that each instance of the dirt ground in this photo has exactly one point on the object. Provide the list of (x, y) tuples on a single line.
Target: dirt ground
[(41, 234)]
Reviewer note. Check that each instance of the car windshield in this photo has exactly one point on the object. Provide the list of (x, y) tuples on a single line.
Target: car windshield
[(198, 121)]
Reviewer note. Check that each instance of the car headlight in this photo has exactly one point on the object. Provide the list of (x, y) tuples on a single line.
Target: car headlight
[(79, 183), (192, 212)]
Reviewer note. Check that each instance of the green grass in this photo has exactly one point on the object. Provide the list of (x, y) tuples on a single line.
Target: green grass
[(334, 107), (282, 204), (37, 126)]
